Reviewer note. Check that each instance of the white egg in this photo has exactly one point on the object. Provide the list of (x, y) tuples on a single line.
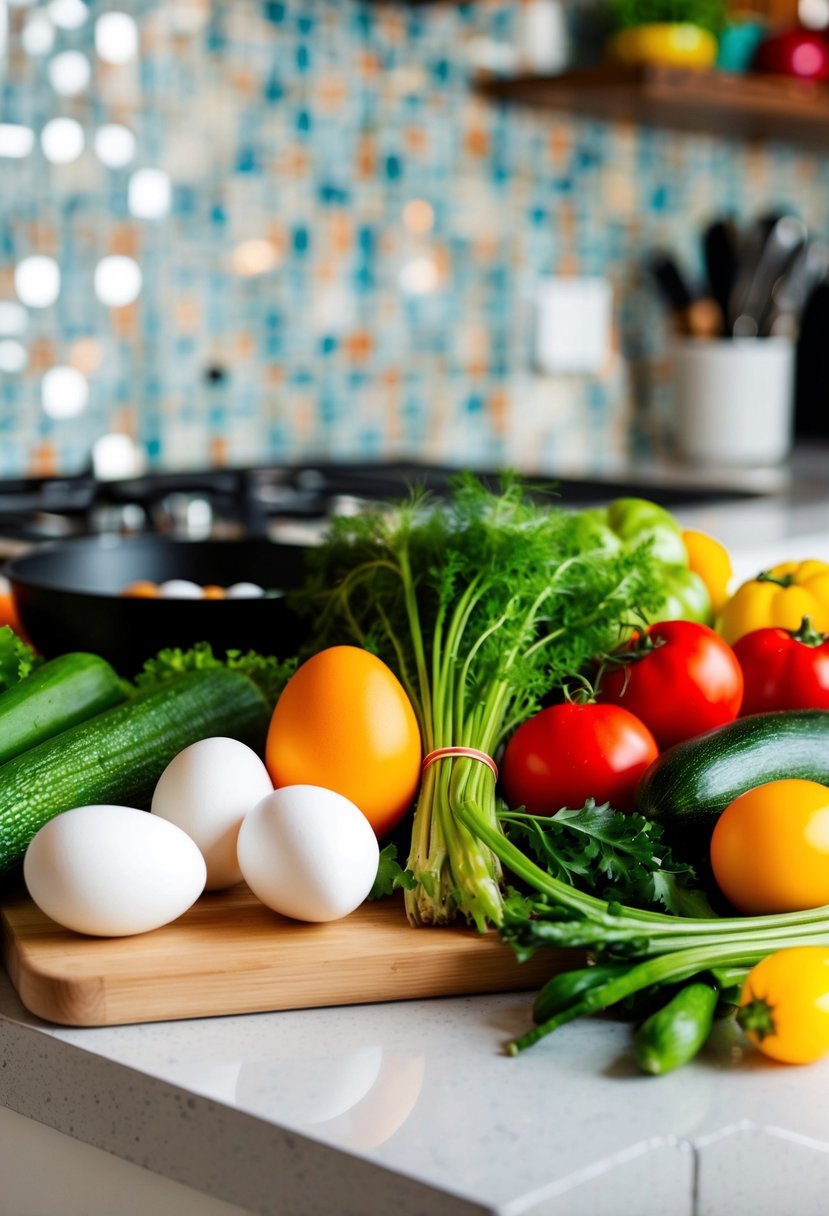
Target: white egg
[(180, 589), (112, 871), (207, 790), (244, 591), (308, 853)]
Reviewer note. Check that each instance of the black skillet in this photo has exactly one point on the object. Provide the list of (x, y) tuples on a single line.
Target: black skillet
[(69, 597)]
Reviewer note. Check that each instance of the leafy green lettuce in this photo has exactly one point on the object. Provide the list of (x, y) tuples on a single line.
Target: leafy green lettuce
[(269, 674), (17, 659)]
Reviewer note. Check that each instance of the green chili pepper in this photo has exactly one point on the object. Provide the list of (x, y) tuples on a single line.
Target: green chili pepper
[(674, 1034), (568, 986)]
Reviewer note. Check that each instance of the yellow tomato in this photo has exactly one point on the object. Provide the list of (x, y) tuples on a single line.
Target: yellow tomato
[(344, 722), (780, 597), (770, 847), (711, 561), (784, 1007)]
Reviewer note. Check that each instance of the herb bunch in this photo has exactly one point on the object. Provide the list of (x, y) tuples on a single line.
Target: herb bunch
[(481, 604)]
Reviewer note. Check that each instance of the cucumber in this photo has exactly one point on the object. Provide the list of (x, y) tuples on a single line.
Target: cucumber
[(674, 1034), (690, 784), (118, 756), (57, 695)]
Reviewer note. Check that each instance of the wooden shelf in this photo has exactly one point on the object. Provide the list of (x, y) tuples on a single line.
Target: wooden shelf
[(716, 103)]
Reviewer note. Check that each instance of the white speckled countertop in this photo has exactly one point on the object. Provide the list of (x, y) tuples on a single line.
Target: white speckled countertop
[(413, 1108)]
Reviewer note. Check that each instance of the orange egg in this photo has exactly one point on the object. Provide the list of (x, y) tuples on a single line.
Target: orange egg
[(211, 592), (345, 722), (142, 590)]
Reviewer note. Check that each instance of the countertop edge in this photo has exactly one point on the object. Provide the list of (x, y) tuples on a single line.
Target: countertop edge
[(196, 1141)]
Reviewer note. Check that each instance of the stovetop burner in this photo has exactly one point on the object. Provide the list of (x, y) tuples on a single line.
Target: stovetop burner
[(257, 501)]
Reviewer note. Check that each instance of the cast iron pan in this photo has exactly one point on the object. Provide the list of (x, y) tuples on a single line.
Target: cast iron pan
[(68, 597)]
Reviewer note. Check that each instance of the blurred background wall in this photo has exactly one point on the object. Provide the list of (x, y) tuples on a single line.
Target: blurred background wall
[(292, 228)]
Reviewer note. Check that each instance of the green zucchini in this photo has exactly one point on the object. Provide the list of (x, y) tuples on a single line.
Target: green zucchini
[(57, 695), (674, 1034), (118, 756), (690, 784)]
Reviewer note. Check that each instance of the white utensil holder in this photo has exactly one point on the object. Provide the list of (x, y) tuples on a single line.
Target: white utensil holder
[(734, 401)]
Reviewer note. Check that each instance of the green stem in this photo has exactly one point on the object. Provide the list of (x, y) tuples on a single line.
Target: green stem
[(808, 635), (653, 925), (555, 890), (672, 968), (780, 580), (757, 1017), (418, 648)]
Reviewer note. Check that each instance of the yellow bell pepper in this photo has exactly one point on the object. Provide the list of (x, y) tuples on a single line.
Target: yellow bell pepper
[(780, 597), (712, 562)]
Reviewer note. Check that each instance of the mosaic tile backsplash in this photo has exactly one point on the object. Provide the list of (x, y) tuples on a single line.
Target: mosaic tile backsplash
[(291, 229)]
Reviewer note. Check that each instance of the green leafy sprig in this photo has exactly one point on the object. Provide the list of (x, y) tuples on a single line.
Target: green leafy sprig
[(17, 658), (618, 858), (269, 674), (391, 876)]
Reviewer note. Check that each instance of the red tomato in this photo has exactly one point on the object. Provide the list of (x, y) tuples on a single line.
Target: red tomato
[(568, 753), (682, 679), (784, 669)]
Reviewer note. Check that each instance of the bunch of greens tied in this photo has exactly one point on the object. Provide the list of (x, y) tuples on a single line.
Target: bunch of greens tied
[(482, 605)]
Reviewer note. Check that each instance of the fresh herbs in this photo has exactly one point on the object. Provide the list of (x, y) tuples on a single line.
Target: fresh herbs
[(269, 674), (390, 874), (707, 14), (481, 605), (659, 949), (17, 659), (618, 858)]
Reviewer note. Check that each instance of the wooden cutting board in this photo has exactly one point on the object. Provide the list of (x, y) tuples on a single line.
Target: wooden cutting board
[(229, 954)]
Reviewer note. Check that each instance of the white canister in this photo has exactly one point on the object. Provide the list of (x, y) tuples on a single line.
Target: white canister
[(734, 401), (543, 44)]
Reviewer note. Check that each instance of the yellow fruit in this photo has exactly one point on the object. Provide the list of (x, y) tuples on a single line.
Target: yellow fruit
[(665, 44), (779, 597), (711, 561)]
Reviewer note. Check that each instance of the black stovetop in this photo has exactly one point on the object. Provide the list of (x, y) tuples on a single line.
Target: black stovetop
[(247, 501)]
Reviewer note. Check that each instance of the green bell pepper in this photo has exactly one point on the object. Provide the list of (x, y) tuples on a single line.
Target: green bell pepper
[(686, 597), (627, 523), (635, 520)]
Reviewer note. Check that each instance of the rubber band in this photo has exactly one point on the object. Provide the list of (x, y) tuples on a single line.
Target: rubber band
[(470, 753)]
